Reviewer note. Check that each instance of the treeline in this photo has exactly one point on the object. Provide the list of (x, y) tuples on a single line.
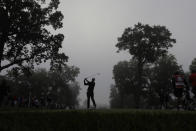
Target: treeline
[(145, 80), (40, 88)]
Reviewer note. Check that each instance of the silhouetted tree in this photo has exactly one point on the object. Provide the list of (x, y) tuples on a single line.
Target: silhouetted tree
[(114, 97), (146, 44), (64, 86), (24, 33), (60, 86), (125, 77), (160, 77)]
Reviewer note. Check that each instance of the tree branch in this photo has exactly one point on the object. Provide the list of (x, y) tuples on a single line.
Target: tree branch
[(15, 62)]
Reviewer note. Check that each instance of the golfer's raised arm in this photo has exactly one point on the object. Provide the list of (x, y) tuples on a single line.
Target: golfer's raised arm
[(85, 81)]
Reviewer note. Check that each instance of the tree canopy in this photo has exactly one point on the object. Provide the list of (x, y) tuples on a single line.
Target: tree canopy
[(24, 33), (146, 43)]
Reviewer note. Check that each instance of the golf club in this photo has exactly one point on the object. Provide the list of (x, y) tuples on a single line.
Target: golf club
[(92, 75)]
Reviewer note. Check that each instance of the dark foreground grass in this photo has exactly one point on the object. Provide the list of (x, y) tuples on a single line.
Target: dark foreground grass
[(97, 120)]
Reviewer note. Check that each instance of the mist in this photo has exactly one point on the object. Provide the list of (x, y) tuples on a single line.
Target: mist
[(91, 29)]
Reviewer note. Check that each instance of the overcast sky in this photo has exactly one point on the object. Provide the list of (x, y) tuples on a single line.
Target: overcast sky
[(91, 29)]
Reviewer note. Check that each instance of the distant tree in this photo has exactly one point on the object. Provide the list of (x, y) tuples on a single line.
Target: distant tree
[(192, 67), (161, 76), (60, 86), (65, 88), (125, 77), (146, 44), (24, 33), (114, 97), (74, 88)]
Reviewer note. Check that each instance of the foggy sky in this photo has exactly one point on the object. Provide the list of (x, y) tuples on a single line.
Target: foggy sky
[(91, 29)]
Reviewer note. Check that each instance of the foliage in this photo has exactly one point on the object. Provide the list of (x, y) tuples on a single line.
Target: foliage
[(60, 86), (125, 77), (157, 86), (114, 97), (115, 120), (24, 33), (160, 78), (146, 43)]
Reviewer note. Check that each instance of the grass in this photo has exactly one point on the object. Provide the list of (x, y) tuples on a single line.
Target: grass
[(96, 120)]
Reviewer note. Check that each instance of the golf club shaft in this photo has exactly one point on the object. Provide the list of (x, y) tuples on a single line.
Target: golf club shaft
[(92, 75)]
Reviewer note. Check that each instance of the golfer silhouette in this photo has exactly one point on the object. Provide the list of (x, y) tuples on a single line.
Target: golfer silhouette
[(90, 91)]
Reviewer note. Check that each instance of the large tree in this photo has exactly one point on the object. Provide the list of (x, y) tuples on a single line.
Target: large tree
[(24, 32), (146, 44)]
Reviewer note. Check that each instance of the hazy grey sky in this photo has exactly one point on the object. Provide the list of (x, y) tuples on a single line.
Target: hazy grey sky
[(91, 29)]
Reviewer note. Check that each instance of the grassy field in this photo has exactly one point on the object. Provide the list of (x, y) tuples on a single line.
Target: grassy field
[(97, 120)]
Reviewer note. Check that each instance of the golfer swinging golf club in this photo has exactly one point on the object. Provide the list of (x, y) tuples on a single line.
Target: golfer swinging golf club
[(90, 93)]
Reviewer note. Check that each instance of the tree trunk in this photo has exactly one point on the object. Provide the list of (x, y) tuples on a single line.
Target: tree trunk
[(122, 99), (2, 43), (4, 32), (139, 85)]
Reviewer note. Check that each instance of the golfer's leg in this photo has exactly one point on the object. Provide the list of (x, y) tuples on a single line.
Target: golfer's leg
[(93, 100), (88, 100)]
